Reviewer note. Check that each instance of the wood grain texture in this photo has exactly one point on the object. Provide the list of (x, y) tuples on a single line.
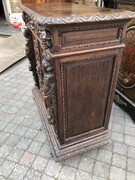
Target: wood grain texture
[(65, 151), (69, 13), (85, 85)]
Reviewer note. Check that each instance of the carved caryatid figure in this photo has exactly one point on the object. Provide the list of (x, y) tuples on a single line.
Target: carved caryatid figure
[(49, 89), (43, 72)]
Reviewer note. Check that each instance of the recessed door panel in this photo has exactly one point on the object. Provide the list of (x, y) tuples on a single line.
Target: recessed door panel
[(86, 89)]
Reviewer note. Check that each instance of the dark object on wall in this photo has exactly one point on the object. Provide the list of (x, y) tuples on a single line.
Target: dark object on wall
[(125, 93), (1, 9), (109, 3), (75, 64)]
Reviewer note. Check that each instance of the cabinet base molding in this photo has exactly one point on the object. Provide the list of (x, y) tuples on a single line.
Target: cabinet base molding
[(67, 150)]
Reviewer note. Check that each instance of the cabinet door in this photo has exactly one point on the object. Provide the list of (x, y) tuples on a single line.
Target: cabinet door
[(87, 87)]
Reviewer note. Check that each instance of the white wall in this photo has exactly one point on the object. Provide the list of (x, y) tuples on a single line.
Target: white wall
[(7, 9)]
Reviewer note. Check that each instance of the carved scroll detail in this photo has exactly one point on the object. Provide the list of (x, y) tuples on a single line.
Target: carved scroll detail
[(28, 21), (30, 55), (38, 63), (49, 89)]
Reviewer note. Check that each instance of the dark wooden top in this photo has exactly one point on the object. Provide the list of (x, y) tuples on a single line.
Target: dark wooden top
[(65, 13)]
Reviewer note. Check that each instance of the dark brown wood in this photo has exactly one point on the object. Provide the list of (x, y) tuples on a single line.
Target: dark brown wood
[(30, 55), (26, 1), (77, 50), (125, 93)]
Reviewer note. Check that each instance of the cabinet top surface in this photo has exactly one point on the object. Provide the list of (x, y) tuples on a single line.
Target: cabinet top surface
[(65, 13)]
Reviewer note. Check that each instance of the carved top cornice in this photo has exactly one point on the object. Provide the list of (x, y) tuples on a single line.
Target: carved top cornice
[(67, 13)]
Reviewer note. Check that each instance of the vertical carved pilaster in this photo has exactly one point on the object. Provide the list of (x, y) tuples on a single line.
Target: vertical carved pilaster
[(42, 65), (49, 88), (38, 63), (29, 49), (30, 55)]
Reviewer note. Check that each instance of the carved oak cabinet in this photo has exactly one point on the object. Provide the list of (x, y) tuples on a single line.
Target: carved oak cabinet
[(74, 53)]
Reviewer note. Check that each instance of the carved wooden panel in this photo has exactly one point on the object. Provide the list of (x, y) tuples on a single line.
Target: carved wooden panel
[(88, 37), (86, 84), (74, 106)]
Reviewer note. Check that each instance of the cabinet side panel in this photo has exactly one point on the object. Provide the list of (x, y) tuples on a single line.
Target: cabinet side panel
[(86, 90)]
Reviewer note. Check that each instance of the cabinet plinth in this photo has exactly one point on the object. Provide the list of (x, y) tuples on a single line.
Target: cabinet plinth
[(74, 53)]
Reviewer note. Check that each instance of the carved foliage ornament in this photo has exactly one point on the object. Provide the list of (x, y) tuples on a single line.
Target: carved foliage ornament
[(49, 89), (29, 55), (45, 35), (46, 75), (43, 32), (38, 62), (25, 17), (28, 52), (73, 19)]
